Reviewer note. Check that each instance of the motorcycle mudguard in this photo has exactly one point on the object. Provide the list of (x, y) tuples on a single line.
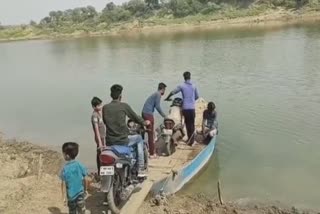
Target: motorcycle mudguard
[(106, 182)]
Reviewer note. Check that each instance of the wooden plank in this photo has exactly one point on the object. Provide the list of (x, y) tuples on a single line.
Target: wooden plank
[(136, 199)]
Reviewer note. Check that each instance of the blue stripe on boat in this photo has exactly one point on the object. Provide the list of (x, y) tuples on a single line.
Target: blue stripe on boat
[(171, 185)]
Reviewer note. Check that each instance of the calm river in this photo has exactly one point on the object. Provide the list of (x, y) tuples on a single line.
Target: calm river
[(266, 84)]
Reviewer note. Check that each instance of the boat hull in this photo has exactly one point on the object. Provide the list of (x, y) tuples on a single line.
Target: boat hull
[(178, 178)]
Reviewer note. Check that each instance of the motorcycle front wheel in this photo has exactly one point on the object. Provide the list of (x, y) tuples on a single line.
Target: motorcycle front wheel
[(146, 159)]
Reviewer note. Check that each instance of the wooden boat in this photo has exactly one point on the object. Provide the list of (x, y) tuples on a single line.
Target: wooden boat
[(177, 179), (169, 174)]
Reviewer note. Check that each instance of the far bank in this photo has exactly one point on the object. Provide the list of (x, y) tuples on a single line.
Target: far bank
[(275, 18)]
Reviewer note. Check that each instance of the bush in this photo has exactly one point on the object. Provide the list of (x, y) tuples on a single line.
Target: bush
[(116, 15), (284, 3), (136, 7), (164, 11), (121, 14), (180, 8), (210, 8), (33, 23), (196, 6)]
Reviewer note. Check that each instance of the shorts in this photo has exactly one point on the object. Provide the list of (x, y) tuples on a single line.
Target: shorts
[(77, 206)]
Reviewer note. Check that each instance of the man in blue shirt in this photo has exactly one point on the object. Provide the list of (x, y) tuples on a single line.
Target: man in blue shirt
[(189, 94), (73, 176), (153, 102)]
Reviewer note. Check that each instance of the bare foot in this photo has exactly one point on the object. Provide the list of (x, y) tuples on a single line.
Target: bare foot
[(153, 156)]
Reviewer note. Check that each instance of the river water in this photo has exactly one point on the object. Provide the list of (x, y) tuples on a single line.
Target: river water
[(265, 83)]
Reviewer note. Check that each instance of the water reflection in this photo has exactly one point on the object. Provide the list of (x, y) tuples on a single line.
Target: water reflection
[(207, 179)]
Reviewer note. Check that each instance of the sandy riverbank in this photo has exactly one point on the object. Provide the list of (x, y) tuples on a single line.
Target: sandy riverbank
[(202, 204), (268, 19), (28, 178), (30, 184)]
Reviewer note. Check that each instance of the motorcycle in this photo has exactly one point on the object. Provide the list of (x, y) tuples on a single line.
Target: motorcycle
[(171, 131), (119, 174)]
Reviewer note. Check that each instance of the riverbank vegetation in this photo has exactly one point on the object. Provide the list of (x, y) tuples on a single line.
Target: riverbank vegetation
[(140, 13)]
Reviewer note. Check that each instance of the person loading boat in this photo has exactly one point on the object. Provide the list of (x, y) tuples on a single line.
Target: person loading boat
[(153, 102), (209, 122), (189, 95), (114, 116)]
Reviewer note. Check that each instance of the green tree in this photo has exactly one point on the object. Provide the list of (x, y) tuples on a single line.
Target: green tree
[(67, 15), (137, 8), (45, 21), (153, 3), (33, 23), (195, 6), (53, 16), (113, 13), (91, 12), (110, 6), (180, 8), (76, 15)]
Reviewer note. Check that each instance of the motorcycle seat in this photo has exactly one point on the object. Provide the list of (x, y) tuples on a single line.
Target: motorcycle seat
[(122, 150)]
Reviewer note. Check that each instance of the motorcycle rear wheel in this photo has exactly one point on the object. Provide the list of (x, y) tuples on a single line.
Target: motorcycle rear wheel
[(114, 201)]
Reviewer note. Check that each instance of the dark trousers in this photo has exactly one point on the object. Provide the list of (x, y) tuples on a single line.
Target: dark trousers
[(150, 132), (98, 153), (98, 160), (189, 119)]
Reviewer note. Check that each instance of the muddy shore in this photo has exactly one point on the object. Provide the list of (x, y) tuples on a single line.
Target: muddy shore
[(204, 204)]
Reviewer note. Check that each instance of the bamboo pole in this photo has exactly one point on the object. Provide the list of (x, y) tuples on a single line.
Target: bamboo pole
[(219, 193), (40, 166)]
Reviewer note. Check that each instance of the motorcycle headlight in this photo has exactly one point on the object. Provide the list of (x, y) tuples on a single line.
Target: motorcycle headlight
[(167, 131)]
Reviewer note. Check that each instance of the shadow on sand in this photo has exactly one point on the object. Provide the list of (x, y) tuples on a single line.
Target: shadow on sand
[(55, 210), (94, 204)]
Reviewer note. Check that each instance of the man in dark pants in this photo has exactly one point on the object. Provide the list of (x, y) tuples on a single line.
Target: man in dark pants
[(152, 103), (189, 94)]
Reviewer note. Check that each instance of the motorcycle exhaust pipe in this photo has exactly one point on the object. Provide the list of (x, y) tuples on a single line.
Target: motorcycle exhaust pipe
[(124, 195)]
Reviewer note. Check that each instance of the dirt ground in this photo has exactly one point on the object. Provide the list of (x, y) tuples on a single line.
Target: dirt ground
[(28, 178), (201, 204), (30, 182)]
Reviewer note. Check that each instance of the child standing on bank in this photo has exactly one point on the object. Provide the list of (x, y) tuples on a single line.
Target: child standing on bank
[(74, 179)]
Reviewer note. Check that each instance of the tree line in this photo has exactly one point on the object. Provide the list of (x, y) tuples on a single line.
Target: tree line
[(89, 19), (139, 9)]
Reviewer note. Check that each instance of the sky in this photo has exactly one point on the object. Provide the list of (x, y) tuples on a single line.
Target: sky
[(22, 11)]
